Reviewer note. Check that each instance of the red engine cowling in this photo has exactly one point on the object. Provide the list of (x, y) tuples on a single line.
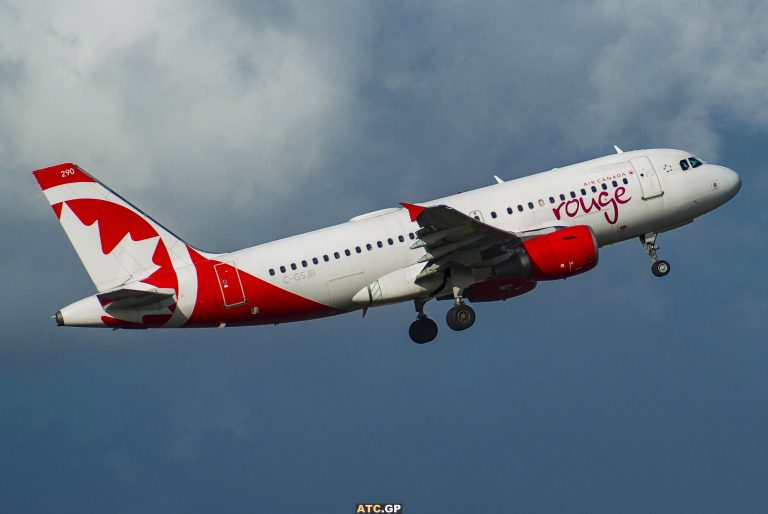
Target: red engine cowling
[(562, 254)]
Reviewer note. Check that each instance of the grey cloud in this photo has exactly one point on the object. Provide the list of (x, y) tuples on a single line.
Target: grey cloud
[(250, 105)]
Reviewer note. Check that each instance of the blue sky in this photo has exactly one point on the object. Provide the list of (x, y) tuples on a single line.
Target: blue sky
[(237, 123)]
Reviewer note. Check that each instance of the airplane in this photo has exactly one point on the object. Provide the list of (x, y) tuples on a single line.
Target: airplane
[(488, 244)]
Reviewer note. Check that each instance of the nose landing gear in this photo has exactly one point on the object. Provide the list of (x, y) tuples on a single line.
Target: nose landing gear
[(659, 267)]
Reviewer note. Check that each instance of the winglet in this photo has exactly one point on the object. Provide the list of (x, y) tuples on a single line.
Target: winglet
[(413, 210)]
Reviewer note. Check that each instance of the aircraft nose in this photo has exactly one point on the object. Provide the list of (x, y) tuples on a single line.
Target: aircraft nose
[(730, 182)]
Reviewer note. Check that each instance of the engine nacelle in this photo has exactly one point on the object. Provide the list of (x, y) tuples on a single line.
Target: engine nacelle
[(562, 254)]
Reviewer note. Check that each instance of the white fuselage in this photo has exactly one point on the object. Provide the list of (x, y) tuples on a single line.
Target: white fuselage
[(619, 196)]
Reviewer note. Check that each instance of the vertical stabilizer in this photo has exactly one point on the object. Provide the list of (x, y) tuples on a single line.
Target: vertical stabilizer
[(116, 242)]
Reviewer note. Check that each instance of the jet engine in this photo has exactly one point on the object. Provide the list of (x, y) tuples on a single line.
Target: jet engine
[(562, 254)]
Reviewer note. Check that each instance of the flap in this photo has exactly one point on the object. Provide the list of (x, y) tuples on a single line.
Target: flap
[(452, 237)]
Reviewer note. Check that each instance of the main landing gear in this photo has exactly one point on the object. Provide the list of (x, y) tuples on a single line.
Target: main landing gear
[(460, 316), (423, 330), (659, 267)]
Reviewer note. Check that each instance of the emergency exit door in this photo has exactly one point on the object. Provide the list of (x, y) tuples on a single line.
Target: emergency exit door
[(229, 282)]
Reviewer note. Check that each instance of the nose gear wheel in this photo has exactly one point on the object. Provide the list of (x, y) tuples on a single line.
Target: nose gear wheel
[(659, 267)]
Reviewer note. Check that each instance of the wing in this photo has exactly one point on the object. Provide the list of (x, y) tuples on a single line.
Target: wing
[(450, 237)]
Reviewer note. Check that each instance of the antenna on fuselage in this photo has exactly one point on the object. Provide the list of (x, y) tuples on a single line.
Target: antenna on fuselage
[(498, 180), (618, 150)]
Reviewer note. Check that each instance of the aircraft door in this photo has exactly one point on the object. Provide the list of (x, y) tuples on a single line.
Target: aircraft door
[(229, 282), (646, 174)]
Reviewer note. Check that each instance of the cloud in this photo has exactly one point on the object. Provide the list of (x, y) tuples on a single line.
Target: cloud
[(678, 68), (238, 122), (171, 94), (253, 110)]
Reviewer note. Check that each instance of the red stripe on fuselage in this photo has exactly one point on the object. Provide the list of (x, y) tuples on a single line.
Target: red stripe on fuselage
[(275, 305), (148, 321)]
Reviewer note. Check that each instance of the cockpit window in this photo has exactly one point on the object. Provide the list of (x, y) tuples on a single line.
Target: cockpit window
[(695, 163), (684, 164)]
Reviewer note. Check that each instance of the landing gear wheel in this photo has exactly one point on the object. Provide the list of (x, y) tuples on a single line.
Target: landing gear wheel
[(460, 317), (660, 268), (423, 330)]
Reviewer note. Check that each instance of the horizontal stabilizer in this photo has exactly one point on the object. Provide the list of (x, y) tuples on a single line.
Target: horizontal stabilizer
[(121, 299)]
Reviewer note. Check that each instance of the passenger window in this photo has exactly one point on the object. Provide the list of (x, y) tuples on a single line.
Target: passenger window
[(401, 239), (551, 200), (379, 244), (583, 192), (411, 236), (509, 210), (604, 186), (347, 253), (336, 255), (368, 247), (684, 164), (520, 208), (293, 266), (615, 184), (594, 189), (695, 163), (271, 272), (562, 197), (358, 250), (282, 269), (303, 264), (625, 181), (326, 258), (493, 214), (314, 260), (541, 203), (389, 240), (573, 195)]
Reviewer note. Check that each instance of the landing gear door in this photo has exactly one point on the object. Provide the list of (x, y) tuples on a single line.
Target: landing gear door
[(649, 181)]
